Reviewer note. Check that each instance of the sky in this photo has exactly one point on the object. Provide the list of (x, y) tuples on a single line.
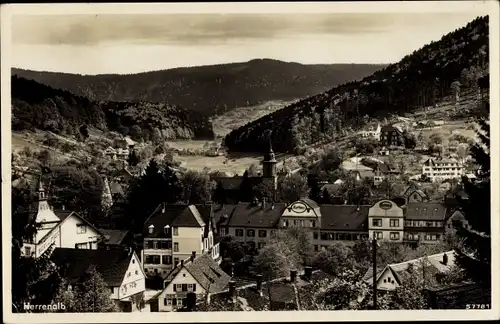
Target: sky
[(133, 43)]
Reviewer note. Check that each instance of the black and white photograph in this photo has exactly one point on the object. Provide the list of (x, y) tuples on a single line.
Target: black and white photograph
[(181, 162)]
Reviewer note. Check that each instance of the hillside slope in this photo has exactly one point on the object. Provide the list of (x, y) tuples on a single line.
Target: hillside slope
[(419, 79), (37, 106), (211, 89)]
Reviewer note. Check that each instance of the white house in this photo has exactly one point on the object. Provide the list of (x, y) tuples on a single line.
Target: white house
[(392, 275), (200, 275), (441, 169), (64, 229), (121, 271)]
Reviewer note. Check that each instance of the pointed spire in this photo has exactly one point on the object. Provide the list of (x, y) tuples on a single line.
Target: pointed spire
[(41, 191)]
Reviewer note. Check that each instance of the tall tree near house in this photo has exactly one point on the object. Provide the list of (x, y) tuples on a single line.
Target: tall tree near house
[(133, 158), (246, 190), (475, 254), (106, 198), (315, 190), (455, 86), (294, 188), (90, 295), (219, 194), (197, 187)]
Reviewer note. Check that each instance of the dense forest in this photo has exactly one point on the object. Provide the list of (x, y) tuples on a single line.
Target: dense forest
[(211, 89), (420, 79), (37, 106)]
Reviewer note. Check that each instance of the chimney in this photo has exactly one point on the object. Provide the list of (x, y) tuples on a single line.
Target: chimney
[(259, 282), (130, 251), (293, 275), (232, 288), (182, 263), (63, 207), (445, 259), (193, 256), (272, 206), (308, 273), (163, 208)]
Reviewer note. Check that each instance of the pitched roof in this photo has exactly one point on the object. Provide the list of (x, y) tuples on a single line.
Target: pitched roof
[(206, 272), (364, 173), (223, 213), (114, 237), (281, 292), (112, 265), (426, 211), (435, 261), (250, 215), (344, 217), (116, 188), (175, 215)]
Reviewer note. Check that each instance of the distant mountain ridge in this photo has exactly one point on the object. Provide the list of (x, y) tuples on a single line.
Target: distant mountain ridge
[(211, 89), (420, 79), (38, 106)]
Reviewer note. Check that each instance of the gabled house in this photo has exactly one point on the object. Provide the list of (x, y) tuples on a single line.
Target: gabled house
[(116, 239), (442, 169), (200, 275), (120, 269), (413, 194), (392, 276), (173, 232), (391, 136), (63, 228)]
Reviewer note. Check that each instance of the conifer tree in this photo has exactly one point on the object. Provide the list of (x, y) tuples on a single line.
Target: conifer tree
[(475, 253), (106, 198), (92, 295)]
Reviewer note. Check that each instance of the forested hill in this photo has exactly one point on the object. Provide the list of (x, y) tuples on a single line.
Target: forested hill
[(419, 79), (211, 89), (37, 106)]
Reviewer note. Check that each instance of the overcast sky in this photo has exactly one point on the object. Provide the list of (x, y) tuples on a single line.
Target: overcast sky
[(97, 44)]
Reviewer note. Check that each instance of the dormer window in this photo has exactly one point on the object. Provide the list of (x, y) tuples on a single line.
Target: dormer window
[(151, 229), (166, 230)]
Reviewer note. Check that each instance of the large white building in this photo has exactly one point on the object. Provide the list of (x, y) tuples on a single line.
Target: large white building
[(63, 229), (442, 169)]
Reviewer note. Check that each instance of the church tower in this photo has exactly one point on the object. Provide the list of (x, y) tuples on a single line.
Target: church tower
[(269, 167)]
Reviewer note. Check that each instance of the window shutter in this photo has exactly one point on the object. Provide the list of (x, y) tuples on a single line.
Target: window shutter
[(165, 301), (175, 287), (194, 287)]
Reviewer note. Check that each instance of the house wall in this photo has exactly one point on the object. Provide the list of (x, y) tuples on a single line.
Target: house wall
[(134, 281), (189, 239), (70, 236), (387, 281), (183, 277), (151, 269), (386, 211), (232, 231)]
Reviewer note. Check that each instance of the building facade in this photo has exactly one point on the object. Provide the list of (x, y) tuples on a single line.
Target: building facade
[(62, 229), (172, 233), (442, 169), (391, 136), (386, 221)]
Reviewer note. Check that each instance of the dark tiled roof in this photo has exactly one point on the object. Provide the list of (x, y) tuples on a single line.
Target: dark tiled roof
[(223, 213), (114, 237), (389, 128), (250, 215), (427, 229), (426, 211), (112, 265), (176, 215), (344, 217), (206, 272)]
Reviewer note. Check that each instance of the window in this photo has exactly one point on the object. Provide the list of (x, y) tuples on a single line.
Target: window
[(222, 231), (136, 272), (81, 246), (81, 229), (394, 223), (176, 231), (155, 259), (285, 223), (313, 223), (316, 248), (238, 232), (191, 287), (250, 233), (176, 261), (377, 222), (166, 259), (315, 235), (176, 247), (260, 245), (262, 233), (27, 250), (155, 245), (394, 236), (377, 235), (184, 287), (301, 223)]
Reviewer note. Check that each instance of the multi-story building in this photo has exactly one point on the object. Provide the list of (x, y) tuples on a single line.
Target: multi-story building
[(386, 221), (391, 136), (121, 271), (424, 223), (442, 169), (173, 232), (63, 229)]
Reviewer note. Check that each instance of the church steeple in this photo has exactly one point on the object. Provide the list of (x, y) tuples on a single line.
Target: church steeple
[(270, 167), (45, 213), (41, 191)]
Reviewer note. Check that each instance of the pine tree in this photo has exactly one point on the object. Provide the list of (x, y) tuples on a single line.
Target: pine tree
[(475, 253), (106, 198), (92, 295)]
